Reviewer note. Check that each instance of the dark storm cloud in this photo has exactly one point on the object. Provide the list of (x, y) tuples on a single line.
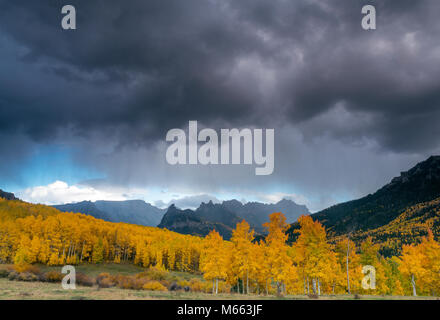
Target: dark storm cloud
[(164, 63), (147, 66), (134, 70)]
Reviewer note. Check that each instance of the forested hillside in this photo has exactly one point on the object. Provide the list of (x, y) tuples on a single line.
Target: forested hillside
[(416, 186), (37, 233), (410, 227)]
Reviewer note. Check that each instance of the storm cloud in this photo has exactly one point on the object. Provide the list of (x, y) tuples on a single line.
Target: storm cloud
[(351, 108)]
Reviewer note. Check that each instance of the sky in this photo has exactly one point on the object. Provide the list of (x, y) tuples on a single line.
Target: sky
[(84, 113)]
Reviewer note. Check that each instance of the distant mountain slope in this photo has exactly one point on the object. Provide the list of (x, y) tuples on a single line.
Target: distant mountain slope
[(86, 207), (7, 195), (419, 184), (130, 211), (226, 216)]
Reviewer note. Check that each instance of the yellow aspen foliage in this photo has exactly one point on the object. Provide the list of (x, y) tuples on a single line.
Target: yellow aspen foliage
[(350, 265), (278, 261), (370, 257), (313, 252), (411, 265), (213, 260), (241, 239)]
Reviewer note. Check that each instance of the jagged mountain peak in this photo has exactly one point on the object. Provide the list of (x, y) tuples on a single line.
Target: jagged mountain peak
[(227, 214), (425, 172)]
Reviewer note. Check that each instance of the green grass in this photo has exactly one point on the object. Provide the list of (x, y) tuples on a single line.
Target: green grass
[(93, 270)]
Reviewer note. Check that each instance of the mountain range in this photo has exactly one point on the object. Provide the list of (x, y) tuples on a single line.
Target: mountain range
[(221, 217), (224, 216)]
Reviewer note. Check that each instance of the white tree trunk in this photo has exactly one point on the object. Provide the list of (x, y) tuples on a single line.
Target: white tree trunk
[(413, 283), (244, 288), (319, 288), (308, 286), (305, 288)]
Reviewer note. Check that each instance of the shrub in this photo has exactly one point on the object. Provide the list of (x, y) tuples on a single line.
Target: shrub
[(4, 273), (175, 287), (154, 286), (26, 276), (101, 276), (105, 280), (13, 275), (52, 276), (198, 285), (138, 284), (124, 282), (154, 273), (84, 280), (183, 283), (106, 283), (21, 268)]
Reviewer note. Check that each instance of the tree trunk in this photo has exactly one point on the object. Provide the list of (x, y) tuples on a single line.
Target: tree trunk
[(305, 288), (243, 287), (308, 286), (314, 285), (267, 287), (278, 289), (348, 274), (216, 286), (247, 281), (413, 283), (213, 286), (70, 248), (319, 288), (82, 251)]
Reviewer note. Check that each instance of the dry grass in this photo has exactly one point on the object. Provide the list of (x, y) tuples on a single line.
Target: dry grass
[(18, 290)]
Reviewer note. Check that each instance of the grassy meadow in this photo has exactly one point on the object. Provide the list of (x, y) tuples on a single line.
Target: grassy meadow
[(36, 290)]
